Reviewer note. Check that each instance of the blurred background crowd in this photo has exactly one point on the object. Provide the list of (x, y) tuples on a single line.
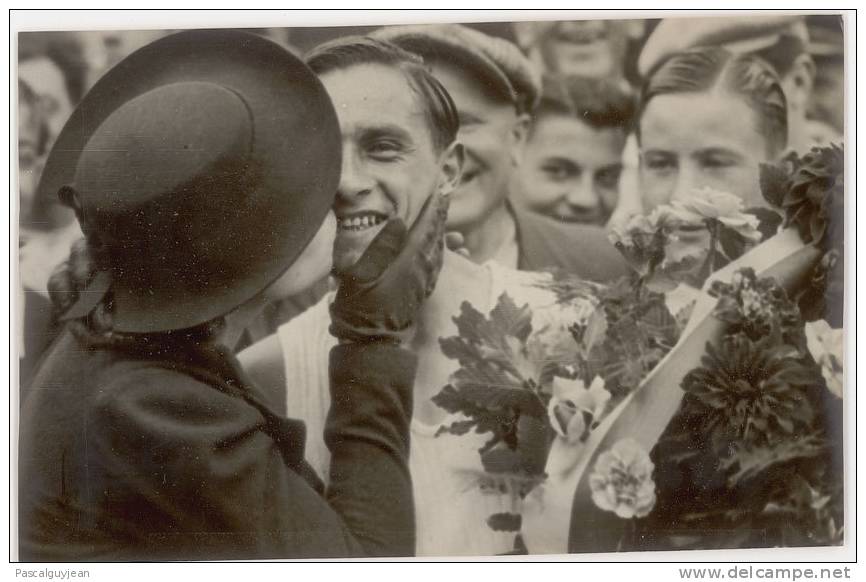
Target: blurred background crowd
[(593, 153)]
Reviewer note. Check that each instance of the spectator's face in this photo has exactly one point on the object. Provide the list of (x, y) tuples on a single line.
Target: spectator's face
[(589, 48), (47, 82), (390, 167), (570, 170), (30, 138), (492, 134), (692, 140)]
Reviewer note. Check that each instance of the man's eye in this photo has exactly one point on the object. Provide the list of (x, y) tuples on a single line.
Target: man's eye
[(384, 149), (717, 162), (49, 105), (558, 172), (608, 178), (659, 163)]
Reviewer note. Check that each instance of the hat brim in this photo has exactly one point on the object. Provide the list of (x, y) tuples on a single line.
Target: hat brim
[(297, 147)]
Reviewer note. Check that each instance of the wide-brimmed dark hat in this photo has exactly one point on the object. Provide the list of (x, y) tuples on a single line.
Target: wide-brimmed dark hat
[(202, 165)]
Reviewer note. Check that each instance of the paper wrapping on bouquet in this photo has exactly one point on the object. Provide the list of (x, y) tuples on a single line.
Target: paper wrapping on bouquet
[(559, 516)]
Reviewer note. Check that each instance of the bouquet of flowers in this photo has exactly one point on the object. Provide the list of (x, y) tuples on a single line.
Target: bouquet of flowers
[(750, 444)]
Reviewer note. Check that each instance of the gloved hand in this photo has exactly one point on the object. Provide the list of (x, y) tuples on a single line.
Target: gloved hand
[(379, 297)]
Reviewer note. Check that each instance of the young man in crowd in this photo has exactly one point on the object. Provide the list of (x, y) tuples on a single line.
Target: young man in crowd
[(573, 161), (496, 89), (597, 49), (781, 41), (51, 80)]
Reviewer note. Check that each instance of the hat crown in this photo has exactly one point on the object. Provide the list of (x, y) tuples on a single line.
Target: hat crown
[(202, 164), (146, 152)]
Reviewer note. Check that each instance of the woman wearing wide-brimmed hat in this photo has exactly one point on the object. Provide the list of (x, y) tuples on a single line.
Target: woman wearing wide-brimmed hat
[(202, 170)]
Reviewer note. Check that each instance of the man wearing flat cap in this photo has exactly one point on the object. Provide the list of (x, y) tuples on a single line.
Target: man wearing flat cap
[(495, 88)]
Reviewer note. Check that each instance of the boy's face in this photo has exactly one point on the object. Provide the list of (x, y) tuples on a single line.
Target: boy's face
[(570, 170)]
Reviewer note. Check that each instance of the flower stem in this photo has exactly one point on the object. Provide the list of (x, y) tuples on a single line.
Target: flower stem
[(709, 266)]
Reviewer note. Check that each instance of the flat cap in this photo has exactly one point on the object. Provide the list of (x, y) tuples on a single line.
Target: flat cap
[(498, 63), (738, 34)]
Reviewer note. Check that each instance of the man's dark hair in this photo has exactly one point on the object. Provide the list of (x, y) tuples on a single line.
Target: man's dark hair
[(65, 51), (746, 76), (350, 51), (600, 103)]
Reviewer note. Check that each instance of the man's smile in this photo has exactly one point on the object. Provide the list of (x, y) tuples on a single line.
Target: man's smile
[(359, 221)]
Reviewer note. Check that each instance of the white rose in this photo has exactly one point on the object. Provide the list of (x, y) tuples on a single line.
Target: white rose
[(706, 203)]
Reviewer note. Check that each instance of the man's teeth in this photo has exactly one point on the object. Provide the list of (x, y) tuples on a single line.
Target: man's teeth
[(360, 222)]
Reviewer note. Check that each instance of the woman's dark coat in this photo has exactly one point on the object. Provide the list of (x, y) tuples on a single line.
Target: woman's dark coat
[(170, 453)]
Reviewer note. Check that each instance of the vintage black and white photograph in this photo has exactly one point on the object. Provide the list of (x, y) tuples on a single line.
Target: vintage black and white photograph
[(432, 289)]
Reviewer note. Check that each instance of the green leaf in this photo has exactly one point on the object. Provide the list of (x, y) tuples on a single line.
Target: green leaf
[(509, 320), (748, 462), (457, 428), (769, 221), (733, 243), (504, 522), (774, 183)]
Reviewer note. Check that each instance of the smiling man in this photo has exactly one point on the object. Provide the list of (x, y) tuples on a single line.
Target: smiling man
[(495, 89), (573, 161), (398, 128)]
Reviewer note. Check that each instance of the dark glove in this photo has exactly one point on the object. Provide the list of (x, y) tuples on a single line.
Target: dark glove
[(379, 297)]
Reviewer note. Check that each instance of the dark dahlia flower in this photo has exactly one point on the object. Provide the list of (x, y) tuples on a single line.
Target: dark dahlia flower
[(749, 392)]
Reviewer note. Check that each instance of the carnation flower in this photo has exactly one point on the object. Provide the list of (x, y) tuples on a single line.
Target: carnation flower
[(826, 346), (573, 409), (622, 482)]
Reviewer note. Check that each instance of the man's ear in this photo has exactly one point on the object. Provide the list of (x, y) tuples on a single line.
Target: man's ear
[(451, 167), (517, 136), (798, 83)]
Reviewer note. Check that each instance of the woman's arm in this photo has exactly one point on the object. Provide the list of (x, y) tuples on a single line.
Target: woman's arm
[(367, 432)]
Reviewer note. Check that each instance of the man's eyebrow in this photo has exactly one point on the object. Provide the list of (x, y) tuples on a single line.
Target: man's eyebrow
[(466, 117), (370, 132), (718, 151), (560, 160)]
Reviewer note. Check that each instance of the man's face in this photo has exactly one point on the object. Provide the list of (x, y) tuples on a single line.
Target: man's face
[(30, 147), (47, 82), (695, 140), (588, 48), (570, 170), (390, 167), (491, 140)]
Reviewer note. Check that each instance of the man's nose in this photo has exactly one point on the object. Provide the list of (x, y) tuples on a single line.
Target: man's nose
[(355, 180), (581, 195), (687, 180)]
